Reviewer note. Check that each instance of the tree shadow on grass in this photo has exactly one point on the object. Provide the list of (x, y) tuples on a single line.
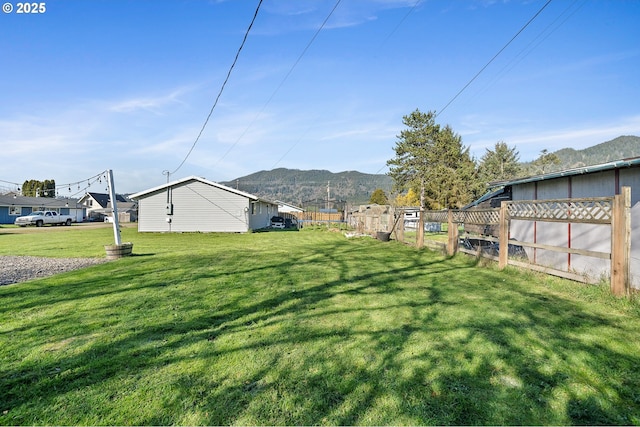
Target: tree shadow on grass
[(341, 334)]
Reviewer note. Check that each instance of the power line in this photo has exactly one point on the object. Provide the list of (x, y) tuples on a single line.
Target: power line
[(487, 64), (494, 57), (9, 182), (415, 5), (533, 44), (246, 35), (401, 21), (304, 51)]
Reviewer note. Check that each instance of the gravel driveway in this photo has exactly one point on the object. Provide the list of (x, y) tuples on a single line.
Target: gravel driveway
[(16, 269)]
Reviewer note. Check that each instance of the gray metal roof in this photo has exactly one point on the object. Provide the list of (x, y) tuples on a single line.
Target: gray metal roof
[(10, 199), (140, 194), (618, 164)]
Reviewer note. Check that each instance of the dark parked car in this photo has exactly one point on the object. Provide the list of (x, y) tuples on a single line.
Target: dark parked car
[(277, 222)]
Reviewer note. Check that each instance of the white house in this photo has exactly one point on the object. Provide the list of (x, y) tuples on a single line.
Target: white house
[(98, 206), (195, 204)]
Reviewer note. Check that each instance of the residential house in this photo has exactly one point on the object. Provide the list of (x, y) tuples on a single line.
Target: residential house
[(13, 205), (98, 207), (195, 204)]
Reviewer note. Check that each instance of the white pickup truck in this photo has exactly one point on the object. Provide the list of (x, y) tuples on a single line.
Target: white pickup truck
[(41, 218)]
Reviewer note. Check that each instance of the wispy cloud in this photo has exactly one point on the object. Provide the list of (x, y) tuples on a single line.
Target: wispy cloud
[(152, 104), (530, 140), (583, 137), (309, 14)]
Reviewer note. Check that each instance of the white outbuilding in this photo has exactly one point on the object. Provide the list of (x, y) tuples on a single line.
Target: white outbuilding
[(195, 204)]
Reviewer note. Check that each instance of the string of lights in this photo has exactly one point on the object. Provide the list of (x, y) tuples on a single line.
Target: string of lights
[(74, 188)]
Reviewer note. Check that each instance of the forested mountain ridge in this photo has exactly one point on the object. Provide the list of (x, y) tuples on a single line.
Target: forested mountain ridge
[(620, 148), (298, 186)]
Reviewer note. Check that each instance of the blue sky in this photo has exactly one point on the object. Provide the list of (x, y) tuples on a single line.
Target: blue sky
[(127, 85)]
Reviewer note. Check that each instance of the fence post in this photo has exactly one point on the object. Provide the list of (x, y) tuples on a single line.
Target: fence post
[(503, 256), (621, 242), (400, 226), (420, 230), (452, 233)]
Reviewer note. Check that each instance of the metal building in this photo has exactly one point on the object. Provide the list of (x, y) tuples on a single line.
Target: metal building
[(604, 180)]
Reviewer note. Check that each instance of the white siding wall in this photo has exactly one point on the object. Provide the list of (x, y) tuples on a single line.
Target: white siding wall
[(261, 217), (197, 206), (152, 213)]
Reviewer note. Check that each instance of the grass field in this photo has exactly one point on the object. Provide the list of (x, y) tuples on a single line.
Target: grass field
[(305, 328)]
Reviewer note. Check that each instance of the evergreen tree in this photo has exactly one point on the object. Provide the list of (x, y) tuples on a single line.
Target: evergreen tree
[(434, 163), (35, 188), (452, 179), (410, 166), (499, 164), (545, 162), (379, 196)]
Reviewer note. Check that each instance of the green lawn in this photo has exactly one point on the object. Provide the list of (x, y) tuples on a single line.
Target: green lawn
[(305, 328)]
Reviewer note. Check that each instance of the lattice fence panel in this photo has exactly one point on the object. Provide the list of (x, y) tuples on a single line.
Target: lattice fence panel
[(436, 216), (593, 211), (478, 216)]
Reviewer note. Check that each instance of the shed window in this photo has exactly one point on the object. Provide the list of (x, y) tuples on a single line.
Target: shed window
[(15, 210)]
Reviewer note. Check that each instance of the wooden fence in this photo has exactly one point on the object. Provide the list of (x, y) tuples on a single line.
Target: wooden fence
[(492, 227), (374, 218), (313, 217)]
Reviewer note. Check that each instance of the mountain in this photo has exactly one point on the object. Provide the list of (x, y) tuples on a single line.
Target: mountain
[(298, 186), (622, 147)]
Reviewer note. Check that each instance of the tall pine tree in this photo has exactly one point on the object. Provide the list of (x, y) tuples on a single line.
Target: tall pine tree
[(452, 176), (410, 166), (35, 188), (499, 164), (434, 163)]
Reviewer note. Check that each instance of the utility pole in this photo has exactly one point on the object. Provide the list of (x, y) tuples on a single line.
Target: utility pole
[(328, 194)]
